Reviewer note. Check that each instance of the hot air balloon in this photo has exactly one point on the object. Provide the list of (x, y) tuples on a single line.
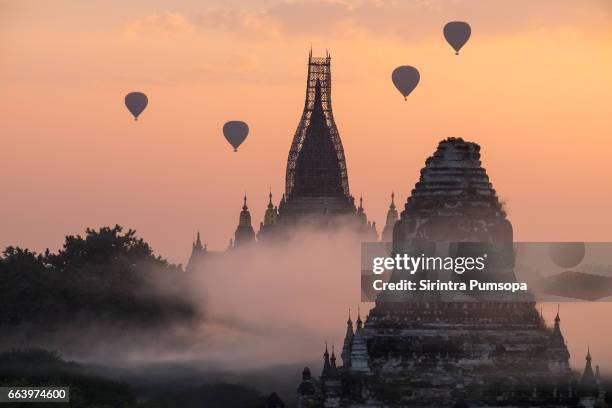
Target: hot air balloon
[(136, 102), (457, 33), (567, 254), (235, 131), (405, 79)]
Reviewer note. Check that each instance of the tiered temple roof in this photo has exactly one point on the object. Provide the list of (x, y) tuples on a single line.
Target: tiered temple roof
[(425, 352)]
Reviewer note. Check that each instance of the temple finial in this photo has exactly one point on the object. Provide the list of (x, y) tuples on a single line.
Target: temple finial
[(588, 356)]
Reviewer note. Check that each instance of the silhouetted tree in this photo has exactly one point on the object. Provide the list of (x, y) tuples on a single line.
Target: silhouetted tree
[(107, 275)]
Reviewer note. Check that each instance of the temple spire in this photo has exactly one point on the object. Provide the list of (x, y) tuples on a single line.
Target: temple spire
[(557, 338), (326, 363), (392, 217), (348, 340), (588, 380), (197, 245), (316, 165), (244, 232), (198, 252), (333, 369), (267, 227)]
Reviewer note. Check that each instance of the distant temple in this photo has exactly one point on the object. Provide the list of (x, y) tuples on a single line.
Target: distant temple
[(316, 186)]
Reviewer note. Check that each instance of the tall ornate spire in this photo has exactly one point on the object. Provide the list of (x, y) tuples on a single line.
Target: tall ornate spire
[(244, 232), (588, 380), (316, 184), (326, 363), (197, 245), (267, 227), (359, 322), (392, 217), (333, 369), (198, 252), (361, 212), (271, 213), (245, 215), (316, 166), (348, 339), (359, 349), (557, 338)]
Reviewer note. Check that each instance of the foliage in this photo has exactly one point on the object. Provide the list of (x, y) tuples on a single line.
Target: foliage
[(35, 367), (105, 276)]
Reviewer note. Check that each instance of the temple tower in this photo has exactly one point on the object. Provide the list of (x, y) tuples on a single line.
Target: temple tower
[(198, 252), (348, 340), (316, 178), (244, 232), (471, 349), (392, 217), (268, 225)]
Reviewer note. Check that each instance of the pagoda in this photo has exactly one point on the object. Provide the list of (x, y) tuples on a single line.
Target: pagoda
[(316, 183), (454, 351)]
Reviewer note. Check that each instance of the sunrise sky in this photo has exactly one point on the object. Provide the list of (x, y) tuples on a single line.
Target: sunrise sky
[(532, 86)]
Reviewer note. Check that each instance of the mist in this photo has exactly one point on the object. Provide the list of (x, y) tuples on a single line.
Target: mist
[(258, 307)]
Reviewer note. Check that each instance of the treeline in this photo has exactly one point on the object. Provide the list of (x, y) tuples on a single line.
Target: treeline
[(37, 367), (108, 275)]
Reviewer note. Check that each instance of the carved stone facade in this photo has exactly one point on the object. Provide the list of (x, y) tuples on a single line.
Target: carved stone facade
[(432, 351)]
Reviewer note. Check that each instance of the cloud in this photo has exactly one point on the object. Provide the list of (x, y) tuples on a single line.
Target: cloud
[(283, 19), (318, 17), (412, 19), (165, 23), (240, 22), (422, 18)]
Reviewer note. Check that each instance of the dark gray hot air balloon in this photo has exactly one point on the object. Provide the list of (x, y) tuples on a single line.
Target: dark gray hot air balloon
[(235, 131), (457, 33), (567, 254), (405, 79), (136, 102)]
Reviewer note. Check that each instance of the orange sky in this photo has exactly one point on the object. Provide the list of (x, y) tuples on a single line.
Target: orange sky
[(532, 86)]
